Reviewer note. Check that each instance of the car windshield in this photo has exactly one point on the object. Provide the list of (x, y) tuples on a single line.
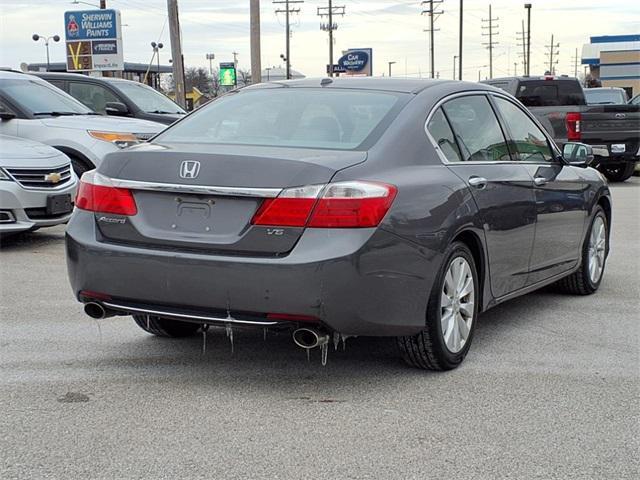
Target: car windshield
[(41, 98), (288, 117), (603, 97), (147, 99)]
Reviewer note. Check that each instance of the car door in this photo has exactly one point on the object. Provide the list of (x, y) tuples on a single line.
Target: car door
[(468, 133), (560, 193), (92, 95)]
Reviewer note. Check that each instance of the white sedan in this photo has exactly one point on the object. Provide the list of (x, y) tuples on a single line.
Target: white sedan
[(37, 185)]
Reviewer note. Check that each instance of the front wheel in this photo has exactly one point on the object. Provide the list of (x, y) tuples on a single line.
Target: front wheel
[(451, 315), (163, 327), (619, 172)]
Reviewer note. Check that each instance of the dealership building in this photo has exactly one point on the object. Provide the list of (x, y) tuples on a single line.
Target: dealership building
[(615, 60)]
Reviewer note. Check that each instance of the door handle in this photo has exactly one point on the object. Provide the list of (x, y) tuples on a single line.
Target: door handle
[(540, 181), (478, 182)]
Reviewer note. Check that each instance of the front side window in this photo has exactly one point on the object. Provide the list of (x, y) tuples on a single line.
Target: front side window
[(441, 132), (41, 98), (288, 117), (528, 141), (476, 129), (93, 96), (146, 98)]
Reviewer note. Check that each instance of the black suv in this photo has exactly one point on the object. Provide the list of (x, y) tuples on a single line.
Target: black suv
[(115, 96)]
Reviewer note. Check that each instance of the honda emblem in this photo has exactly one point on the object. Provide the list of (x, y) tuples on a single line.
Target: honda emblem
[(189, 169)]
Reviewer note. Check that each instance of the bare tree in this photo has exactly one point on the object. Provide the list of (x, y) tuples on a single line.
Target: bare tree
[(243, 78)]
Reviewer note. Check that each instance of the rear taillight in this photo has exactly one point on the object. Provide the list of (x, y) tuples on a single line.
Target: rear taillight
[(572, 121), (338, 205), (97, 194)]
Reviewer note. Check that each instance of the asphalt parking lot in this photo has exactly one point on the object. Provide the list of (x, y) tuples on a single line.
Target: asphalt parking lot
[(549, 389)]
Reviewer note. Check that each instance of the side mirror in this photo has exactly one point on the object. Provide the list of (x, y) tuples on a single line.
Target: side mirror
[(116, 108), (6, 115), (578, 154)]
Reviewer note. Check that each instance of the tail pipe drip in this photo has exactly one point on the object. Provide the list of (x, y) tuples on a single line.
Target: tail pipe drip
[(309, 338)]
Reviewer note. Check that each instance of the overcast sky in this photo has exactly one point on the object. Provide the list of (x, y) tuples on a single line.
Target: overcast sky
[(394, 29)]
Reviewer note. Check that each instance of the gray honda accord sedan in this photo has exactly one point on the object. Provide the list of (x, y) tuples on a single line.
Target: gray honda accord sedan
[(340, 207)]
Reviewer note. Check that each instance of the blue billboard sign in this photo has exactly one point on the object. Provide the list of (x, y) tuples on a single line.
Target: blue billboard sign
[(354, 61), (90, 25)]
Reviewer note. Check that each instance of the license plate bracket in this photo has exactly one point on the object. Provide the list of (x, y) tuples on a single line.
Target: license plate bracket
[(59, 204)]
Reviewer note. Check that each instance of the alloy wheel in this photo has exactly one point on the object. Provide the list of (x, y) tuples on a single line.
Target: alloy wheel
[(597, 247), (457, 304)]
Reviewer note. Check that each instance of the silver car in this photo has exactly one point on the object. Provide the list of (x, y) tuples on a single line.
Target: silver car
[(37, 185)]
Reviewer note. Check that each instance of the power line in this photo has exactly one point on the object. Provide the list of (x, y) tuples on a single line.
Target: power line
[(433, 14), (287, 11), (490, 34), (329, 11)]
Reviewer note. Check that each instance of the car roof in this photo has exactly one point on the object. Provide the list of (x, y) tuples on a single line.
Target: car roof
[(79, 76), (525, 78), (390, 84), (603, 88)]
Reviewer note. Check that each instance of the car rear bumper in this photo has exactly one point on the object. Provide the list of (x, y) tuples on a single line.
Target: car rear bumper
[(355, 281)]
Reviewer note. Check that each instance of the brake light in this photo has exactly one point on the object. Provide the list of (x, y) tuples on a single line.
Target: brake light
[(572, 121), (97, 194), (338, 205)]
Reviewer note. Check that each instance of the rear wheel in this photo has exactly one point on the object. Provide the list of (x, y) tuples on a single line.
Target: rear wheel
[(451, 315), (588, 277), (619, 172), (163, 327)]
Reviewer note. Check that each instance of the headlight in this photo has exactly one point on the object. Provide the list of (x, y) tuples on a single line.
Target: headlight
[(118, 138), (3, 175)]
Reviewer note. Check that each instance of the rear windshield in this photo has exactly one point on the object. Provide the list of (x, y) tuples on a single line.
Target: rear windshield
[(550, 93), (604, 97), (289, 117)]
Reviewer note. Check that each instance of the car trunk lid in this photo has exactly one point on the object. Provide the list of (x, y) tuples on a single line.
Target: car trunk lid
[(211, 209)]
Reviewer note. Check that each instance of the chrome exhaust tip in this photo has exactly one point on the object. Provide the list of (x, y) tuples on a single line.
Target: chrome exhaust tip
[(95, 310), (309, 338)]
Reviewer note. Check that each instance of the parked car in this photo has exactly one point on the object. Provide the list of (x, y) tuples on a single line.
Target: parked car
[(340, 207), (635, 100), (605, 96), (118, 97), (34, 109), (37, 186), (559, 103)]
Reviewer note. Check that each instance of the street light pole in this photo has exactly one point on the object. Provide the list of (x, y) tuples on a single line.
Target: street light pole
[(528, 7), (455, 60), (55, 38), (156, 51), (210, 57), (390, 63)]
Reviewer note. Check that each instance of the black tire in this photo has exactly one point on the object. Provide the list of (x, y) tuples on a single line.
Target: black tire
[(428, 350), (163, 327), (579, 282), (619, 172)]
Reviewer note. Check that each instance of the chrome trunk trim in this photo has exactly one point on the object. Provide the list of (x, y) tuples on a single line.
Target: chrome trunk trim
[(201, 189)]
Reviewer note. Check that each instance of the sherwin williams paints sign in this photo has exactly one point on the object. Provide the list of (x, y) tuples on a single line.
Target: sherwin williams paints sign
[(93, 40)]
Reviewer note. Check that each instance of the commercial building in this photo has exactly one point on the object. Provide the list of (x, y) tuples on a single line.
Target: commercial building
[(615, 60)]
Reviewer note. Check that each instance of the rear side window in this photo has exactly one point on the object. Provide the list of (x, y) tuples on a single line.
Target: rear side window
[(550, 93), (529, 143), (441, 132), (476, 129), (290, 117)]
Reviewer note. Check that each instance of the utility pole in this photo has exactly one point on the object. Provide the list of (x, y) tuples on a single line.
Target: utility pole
[(575, 64), (433, 14), (390, 63), (176, 52), (455, 60), (552, 51), (522, 42), (103, 4), (528, 65), (256, 63), (491, 43), (287, 11), (329, 11), (460, 45)]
